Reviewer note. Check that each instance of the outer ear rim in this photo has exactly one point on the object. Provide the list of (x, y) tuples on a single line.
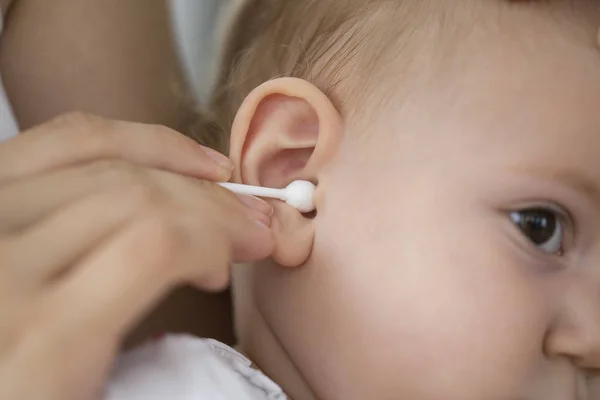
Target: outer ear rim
[(294, 233), (291, 87)]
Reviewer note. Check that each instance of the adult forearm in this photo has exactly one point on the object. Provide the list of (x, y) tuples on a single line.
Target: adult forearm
[(5, 5), (114, 58)]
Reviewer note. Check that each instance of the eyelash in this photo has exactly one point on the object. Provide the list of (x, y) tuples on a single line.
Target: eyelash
[(563, 222)]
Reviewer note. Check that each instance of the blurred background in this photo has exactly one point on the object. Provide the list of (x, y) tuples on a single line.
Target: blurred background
[(194, 24)]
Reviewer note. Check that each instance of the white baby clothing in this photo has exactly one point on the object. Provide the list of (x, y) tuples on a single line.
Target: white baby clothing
[(183, 367)]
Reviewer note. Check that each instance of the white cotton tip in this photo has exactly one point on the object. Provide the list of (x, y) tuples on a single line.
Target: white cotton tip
[(301, 196), (298, 194)]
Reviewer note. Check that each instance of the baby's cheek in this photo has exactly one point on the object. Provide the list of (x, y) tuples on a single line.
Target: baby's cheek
[(435, 304)]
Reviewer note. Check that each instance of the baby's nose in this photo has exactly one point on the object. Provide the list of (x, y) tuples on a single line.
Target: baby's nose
[(576, 332)]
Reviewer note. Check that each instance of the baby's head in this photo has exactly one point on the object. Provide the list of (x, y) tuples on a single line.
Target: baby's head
[(455, 249)]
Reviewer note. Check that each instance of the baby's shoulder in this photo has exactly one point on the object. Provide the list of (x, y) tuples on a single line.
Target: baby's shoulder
[(182, 367)]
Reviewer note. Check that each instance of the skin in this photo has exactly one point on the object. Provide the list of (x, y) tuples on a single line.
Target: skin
[(88, 204), (48, 70), (435, 293)]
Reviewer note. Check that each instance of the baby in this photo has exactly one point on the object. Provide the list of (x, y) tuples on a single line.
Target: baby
[(454, 253)]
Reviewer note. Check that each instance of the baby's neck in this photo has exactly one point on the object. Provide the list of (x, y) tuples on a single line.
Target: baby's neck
[(267, 355)]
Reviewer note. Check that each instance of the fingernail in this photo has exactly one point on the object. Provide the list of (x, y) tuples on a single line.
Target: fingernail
[(254, 203), (218, 158)]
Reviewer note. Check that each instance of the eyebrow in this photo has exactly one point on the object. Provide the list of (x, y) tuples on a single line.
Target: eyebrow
[(572, 179)]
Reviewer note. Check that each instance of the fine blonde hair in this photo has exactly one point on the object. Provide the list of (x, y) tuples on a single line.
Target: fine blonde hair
[(321, 41), (341, 46)]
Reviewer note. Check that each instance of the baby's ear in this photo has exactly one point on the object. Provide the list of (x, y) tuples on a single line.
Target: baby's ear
[(286, 130)]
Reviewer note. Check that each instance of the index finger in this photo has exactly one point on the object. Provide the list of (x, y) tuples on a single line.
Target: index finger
[(80, 138)]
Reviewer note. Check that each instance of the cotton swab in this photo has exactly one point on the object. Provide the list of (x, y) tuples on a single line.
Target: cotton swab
[(298, 194)]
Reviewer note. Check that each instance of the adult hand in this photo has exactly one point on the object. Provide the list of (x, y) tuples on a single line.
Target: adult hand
[(99, 220)]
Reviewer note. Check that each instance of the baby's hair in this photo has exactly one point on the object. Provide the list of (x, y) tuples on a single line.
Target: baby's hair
[(341, 46), (321, 41)]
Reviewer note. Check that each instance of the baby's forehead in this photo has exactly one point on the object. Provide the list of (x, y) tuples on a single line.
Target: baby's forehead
[(532, 92), (552, 71)]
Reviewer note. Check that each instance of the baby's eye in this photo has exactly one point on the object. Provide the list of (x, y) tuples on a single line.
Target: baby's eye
[(543, 227)]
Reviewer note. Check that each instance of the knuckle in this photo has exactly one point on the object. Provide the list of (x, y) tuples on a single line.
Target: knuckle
[(165, 237), (216, 282), (187, 252), (160, 128), (162, 131), (134, 189), (86, 132), (164, 136), (78, 119), (215, 255), (146, 198), (118, 173)]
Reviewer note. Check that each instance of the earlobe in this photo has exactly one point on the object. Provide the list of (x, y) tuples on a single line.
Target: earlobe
[(286, 130)]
